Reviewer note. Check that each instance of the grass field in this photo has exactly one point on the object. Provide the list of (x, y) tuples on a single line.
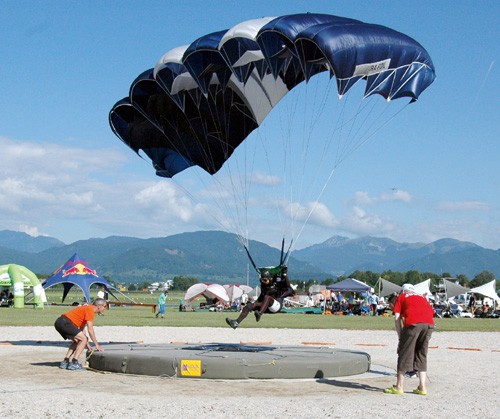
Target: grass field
[(143, 316)]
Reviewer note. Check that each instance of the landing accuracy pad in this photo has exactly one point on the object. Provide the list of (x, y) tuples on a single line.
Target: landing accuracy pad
[(229, 361)]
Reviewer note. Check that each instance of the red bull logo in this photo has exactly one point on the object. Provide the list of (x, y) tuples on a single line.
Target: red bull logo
[(79, 269)]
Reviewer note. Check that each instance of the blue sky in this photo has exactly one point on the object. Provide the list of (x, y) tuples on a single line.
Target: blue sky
[(432, 172)]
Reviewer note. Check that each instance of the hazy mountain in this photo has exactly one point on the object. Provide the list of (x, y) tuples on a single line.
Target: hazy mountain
[(215, 256), (340, 255), (26, 243), (209, 255)]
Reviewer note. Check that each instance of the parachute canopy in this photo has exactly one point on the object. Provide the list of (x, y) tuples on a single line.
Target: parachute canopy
[(201, 101)]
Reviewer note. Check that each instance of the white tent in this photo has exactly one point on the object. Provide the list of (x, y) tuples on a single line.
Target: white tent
[(489, 290), (452, 289), (235, 291), (387, 288), (209, 291), (422, 288)]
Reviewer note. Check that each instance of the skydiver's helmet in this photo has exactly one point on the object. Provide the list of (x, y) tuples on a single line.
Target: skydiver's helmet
[(265, 278)]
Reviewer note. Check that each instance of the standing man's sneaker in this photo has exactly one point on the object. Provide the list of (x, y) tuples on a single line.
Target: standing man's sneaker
[(393, 390), (233, 323), (75, 366), (64, 364)]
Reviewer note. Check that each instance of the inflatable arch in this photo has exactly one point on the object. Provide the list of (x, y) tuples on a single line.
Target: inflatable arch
[(17, 276)]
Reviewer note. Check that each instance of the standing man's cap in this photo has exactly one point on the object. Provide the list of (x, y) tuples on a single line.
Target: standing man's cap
[(408, 287)]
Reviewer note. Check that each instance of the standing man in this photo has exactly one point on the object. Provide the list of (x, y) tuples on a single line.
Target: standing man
[(162, 301), (414, 319), (71, 325), (373, 301)]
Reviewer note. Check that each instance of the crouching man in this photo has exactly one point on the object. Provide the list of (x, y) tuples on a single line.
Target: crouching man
[(71, 326)]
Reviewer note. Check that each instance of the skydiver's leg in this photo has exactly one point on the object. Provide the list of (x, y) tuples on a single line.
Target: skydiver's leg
[(243, 313), (268, 300), (246, 310)]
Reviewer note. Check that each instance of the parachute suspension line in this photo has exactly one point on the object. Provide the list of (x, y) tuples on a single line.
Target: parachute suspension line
[(315, 205), (352, 135), (251, 259), (353, 141), (311, 115), (240, 174), (371, 132), (287, 254)]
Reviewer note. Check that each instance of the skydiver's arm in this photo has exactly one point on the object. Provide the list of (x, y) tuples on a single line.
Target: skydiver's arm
[(288, 293)]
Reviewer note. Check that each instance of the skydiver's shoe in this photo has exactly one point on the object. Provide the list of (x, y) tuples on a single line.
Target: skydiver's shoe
[(393, 390), (258, 315), (64, 364), (75, 366), (233, 323)]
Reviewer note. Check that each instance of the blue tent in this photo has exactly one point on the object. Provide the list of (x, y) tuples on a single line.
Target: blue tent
[(349, 284), (76, 271)]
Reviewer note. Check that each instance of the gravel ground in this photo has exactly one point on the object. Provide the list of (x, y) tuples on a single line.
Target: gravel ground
[(463, 378)]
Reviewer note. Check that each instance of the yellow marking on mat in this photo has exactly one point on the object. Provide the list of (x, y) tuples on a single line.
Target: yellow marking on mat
[(191, 368)]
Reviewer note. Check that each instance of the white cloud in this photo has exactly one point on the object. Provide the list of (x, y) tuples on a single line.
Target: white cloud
[(163, 201), (455, 206), (359, 221), (32, 231), (396, 195), (265, 180)]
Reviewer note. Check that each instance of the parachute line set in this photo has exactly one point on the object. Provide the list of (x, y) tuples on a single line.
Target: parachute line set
[(201, 101)]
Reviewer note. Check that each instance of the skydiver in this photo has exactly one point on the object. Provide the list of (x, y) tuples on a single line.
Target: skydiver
[(274, 289)]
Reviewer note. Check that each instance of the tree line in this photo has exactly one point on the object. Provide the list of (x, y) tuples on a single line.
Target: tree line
[(400, 278), (182, 283)]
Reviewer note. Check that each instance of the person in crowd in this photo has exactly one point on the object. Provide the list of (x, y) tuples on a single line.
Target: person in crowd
[(162, 301), (4, 297), (373, 302), (472, 304), (414, 321), (102, 293), (71, 326)]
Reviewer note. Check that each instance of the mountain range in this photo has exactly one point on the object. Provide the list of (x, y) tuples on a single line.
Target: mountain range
[(215, 256)]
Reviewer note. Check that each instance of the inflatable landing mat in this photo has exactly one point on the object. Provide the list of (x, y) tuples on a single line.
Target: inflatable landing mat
[(229, 361)]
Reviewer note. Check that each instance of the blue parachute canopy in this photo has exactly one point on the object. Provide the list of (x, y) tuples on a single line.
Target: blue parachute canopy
[(202, 100)]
